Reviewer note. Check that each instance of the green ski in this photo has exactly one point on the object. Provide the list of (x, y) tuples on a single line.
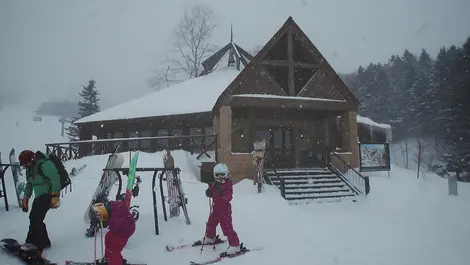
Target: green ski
[(131, 178)]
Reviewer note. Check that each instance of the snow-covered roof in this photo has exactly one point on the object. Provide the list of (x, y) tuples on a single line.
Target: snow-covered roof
[(286, 97), (370, 122), (376, 126), (192, 96)]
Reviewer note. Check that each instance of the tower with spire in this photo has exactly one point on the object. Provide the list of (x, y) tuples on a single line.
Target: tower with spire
[(236, 56)]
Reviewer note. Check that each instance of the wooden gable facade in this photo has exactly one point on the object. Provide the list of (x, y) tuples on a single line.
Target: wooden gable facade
[(289, 95)]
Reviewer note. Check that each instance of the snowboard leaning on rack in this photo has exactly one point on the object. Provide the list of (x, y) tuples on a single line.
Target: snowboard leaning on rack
[(16, 172), (108, 178), (182, 199), (172, 189)]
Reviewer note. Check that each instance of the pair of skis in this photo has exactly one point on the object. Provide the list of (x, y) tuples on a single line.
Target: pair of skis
[(69, 262), (171, 248)]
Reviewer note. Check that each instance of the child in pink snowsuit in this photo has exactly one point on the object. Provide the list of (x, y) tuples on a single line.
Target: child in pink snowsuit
[(121, 227), (221, 194)]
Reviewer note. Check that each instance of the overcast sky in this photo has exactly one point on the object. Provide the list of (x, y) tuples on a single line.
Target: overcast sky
[(48, 49)]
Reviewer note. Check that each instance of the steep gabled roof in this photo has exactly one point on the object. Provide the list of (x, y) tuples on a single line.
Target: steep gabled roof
[(322, 68)]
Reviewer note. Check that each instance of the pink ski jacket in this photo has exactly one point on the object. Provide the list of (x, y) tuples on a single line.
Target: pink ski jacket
[(222, 196), (120, 219)]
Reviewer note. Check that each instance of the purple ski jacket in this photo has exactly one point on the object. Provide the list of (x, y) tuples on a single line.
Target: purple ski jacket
[(120, 220)]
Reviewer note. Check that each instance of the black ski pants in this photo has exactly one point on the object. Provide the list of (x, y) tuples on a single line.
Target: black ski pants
[(37, 233)]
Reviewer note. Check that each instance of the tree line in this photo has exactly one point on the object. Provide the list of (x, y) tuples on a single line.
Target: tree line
[(422, 97)]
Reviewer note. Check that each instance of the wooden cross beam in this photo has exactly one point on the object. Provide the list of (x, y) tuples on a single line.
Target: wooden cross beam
[(286, 64)]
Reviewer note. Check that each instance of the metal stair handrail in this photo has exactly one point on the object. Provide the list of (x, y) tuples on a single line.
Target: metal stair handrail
[(351, 176)]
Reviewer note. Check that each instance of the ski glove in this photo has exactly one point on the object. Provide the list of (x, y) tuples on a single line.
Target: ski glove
[(24, 204), (209, 193), (218, 188), (55, 200)]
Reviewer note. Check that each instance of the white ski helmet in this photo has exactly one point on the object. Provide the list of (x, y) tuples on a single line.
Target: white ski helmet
[(221, 172)]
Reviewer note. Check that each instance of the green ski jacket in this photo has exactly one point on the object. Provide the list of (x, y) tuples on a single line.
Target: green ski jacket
[(46, 184)]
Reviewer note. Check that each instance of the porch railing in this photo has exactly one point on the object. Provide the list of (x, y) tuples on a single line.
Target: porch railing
[(355, 180), (77, 149)]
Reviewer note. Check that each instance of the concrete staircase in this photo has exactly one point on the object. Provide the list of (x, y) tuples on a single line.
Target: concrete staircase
[(310, 185)]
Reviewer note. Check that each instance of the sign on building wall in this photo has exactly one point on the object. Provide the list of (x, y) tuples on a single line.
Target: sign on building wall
[(374, 157)]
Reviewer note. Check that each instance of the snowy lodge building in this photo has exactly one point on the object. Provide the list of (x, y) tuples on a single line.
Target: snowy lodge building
[(288, 94)]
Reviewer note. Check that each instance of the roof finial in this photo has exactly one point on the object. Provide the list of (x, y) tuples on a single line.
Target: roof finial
[(231, 32)]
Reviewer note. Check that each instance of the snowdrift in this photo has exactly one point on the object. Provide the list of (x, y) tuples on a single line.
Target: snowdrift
[(404, 220)]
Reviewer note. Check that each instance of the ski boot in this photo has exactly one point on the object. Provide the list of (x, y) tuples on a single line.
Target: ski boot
[(208, 241), (232, 250), (104, 261), (31, 252)]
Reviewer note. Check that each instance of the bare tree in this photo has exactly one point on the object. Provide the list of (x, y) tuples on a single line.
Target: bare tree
[(256, 50), (190, 47)]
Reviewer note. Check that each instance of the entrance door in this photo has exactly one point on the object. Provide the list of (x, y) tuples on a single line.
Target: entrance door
[(280, 148)]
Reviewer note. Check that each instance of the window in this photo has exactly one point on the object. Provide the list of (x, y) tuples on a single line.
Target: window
[(117, 135), (240, 139), (209, 130), (209, 142), (146, 145), (108, 146), (195, 143), (162, 143), (337, 133), (176, 143), (133, 145)]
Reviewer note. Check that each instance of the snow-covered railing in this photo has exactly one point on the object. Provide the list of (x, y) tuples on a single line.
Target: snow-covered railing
[(76, 149), (355, 180)]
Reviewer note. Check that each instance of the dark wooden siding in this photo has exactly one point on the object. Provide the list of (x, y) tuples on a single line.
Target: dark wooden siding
[(192, 124)]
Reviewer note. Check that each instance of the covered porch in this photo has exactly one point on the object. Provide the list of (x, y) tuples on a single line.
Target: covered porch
[(300, 132)]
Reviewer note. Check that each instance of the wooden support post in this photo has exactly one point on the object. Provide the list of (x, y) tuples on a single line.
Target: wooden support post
[(290, 62)]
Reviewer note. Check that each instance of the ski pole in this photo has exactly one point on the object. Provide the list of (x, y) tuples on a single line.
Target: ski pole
[(102, 245), (205, 233), (94, 248), (213, 241)]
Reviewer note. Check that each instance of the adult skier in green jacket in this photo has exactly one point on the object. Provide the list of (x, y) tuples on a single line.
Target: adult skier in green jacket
[(42, 178)]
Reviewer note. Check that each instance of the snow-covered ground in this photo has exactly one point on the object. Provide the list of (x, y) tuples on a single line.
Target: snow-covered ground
[(403, 220), (19, 131)]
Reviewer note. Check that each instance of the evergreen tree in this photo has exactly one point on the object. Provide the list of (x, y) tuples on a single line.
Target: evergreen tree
[(426, 89), (382, 91), (458, 160), (88, 106), (424, 98), (410, 95), (397, 103)]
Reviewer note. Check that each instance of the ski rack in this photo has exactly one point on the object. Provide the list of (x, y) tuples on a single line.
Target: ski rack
[(155, 171), (4, 189)]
